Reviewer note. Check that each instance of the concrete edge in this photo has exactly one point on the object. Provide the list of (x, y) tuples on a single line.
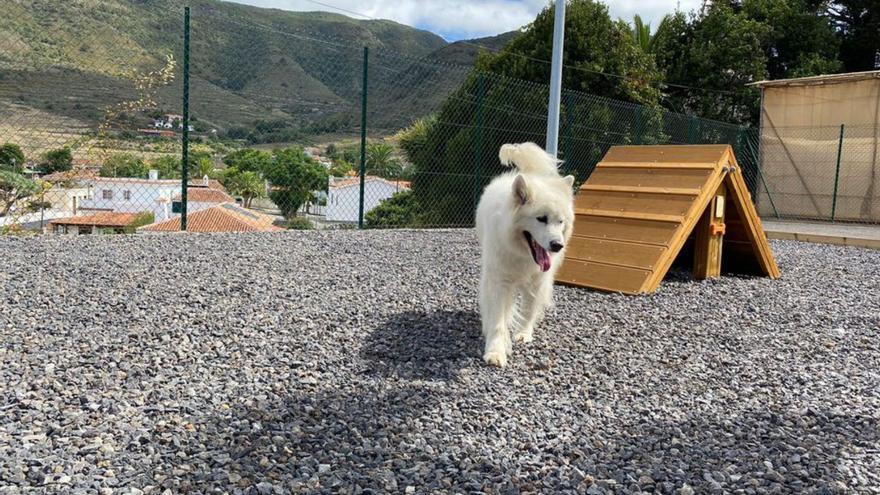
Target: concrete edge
[(824, 239)]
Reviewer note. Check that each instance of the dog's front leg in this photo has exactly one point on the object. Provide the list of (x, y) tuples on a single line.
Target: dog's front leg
[(536, 297), (496, 303)]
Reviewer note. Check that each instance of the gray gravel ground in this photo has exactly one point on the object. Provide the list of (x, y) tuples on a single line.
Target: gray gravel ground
[(349, 362)]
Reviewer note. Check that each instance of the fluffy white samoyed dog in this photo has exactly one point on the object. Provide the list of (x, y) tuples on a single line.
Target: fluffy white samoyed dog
[(524, 220)]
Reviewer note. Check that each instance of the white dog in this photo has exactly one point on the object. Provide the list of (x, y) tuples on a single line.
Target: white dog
[(524, 220)]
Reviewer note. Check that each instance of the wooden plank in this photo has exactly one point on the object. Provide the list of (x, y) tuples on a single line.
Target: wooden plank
[(600, 276), (622, 253), (624, 229), (625, 202), (681, 191), (741, 199), (658, 165), (632, 215), (687, 226), (708, 244), (667, 153), (690, 178)]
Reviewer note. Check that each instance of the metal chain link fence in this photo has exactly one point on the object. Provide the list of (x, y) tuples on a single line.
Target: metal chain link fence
[(293, 128)]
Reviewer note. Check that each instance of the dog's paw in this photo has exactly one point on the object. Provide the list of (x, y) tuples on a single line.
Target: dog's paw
[(524, 337), (496, 358)]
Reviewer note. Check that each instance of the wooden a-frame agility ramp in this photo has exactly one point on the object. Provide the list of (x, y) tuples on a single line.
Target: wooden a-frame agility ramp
[(643, 207)]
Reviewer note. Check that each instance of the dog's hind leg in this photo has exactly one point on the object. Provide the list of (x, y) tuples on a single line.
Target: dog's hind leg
[(496, 301), (536, 297)]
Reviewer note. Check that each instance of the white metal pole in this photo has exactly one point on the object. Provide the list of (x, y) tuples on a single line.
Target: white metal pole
[(555, 79)]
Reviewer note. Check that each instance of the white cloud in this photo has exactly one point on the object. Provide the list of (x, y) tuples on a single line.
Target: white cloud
[(455, 19)]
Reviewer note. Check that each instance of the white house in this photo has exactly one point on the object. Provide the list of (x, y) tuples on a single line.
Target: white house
[(343, 198), (159, 196)]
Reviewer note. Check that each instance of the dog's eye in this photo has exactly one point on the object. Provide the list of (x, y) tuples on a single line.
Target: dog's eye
[(543, 219)]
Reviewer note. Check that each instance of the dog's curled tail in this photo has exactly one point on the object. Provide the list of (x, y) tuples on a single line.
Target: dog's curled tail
[(528, 158)]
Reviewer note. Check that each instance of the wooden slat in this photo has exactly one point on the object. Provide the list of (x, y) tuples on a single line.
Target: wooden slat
[(687, 226), (690, 178), (754, 230), (707, 246), (667, 153), (622, 253), (624, 229), (632, 215), (604, 277), (656, 204), (657, 165), (680, 191)]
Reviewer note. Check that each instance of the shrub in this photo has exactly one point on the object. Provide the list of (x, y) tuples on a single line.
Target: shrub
[(300, 223), (400, 210)]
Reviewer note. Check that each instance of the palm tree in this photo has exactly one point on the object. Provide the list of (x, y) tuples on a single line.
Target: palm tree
[(641, 32), (381, 160), (248, 185)]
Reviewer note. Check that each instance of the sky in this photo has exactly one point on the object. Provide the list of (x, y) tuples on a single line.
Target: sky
[(460, 19)]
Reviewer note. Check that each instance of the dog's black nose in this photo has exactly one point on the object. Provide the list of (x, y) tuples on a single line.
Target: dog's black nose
[(556, 246)]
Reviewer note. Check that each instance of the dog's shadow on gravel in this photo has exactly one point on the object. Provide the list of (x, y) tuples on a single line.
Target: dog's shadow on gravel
[(424, 345)]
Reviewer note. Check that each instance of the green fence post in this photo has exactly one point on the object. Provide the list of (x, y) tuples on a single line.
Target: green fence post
[(478, 140), (637, 138), (837, 173), (569, 130), (757, 158), (184, 181), (363, 170), (692, 129)]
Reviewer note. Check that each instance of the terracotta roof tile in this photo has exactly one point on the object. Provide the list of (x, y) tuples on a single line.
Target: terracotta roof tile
[(204, 195), (369, 178), (226, 217), (106, 219)]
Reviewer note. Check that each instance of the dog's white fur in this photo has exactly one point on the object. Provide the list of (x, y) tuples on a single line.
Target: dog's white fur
[(534, 199)]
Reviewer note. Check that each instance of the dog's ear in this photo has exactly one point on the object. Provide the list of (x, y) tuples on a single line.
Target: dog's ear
[(521, 190), (569, 180)]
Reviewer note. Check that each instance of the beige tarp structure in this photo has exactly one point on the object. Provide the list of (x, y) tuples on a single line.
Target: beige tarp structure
[(800, 136)]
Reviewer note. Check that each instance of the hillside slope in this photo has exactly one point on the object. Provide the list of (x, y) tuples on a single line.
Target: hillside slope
[(291, 69)]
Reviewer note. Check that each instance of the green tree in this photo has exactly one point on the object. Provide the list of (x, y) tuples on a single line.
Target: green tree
[(124, 165), (599, 53), (11, 158), (400, 210), (454, 156), (857, 23), (340, 168), (248, 160), (641, 32), (381, 160), (201, 163), (717, 53), (800, 40), (294, 176), (142, 218), (727, 45), (14, 187), (168, 167), (246, 184), (59, 160)]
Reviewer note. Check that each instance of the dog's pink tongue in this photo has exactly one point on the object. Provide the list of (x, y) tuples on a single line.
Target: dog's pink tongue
[(543, 257)]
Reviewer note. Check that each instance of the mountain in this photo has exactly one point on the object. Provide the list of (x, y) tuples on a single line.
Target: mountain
[(71, 62)]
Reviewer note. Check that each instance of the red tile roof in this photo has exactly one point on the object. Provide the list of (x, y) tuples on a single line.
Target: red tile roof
[(204, 195), (352, 181), (73, 174), (226, 217), (106, 219)]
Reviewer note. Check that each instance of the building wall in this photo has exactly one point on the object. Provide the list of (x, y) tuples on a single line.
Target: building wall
[(144, 196), (343, 203), (65, 200)]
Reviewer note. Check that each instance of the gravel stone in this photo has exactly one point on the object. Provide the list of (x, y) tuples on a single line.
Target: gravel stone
[(349, 362)]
